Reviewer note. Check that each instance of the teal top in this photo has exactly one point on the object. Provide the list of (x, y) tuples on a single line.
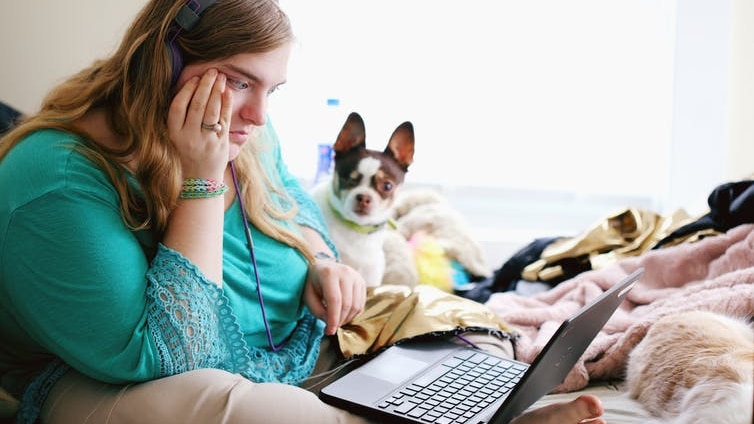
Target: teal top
[(78, 288)]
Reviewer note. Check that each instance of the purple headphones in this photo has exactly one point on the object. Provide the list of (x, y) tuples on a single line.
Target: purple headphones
[(187, 17)]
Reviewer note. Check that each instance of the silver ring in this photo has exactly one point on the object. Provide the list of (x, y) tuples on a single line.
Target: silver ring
[(212, 127)]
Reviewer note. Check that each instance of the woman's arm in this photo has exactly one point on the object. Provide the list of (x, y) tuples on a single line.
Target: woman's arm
[(74, 277), (196, 225)]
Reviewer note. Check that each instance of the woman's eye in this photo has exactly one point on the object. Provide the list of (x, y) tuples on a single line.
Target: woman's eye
[(237, 85)]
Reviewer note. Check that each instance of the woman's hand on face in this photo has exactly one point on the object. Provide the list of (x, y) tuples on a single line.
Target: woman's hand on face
[(334, 292), (201, 100)]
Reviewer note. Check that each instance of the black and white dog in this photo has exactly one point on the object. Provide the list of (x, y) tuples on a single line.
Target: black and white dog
[(357, 201)]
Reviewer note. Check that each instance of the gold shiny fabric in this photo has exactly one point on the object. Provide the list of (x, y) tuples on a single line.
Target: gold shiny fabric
[(394, 313), (627, 232)]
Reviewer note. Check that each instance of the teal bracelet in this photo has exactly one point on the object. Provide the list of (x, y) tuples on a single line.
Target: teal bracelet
[(199, 188)]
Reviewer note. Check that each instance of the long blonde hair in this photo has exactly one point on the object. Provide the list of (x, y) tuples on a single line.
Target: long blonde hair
[(134, 87)]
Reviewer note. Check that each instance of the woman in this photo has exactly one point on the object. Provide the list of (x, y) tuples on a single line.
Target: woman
[(159, 262)]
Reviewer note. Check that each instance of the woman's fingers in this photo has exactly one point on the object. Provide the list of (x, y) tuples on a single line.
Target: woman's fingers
[(198, 124), (340, 294), (204, 107), (179, 105), (353, 288), (226, 109), (354, 297), (214, 103), (201, 101)]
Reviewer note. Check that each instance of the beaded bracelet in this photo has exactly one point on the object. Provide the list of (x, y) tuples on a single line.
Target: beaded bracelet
[(325, 256), (198, 188)]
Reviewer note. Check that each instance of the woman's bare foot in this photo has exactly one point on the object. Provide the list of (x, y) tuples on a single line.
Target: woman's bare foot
[(583, 409)]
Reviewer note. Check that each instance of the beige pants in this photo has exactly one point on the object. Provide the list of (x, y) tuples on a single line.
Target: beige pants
[(204, 396)]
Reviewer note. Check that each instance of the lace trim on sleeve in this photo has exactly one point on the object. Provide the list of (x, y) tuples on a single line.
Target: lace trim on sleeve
[(190, 320), (295, 362), (36, 392)]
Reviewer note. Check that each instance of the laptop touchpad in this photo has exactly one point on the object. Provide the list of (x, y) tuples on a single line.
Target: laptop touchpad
[(392, 366)]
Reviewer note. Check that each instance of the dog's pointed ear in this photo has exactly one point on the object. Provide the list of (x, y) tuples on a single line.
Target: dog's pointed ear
[(352, 134), (401, 145)]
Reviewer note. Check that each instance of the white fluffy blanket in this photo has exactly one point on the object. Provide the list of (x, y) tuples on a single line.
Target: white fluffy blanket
[(715, 274)]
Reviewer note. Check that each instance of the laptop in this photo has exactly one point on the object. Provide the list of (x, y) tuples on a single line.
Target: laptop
[(442, 382)]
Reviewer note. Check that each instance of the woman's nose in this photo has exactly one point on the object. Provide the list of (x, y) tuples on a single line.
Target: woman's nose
[(254, 110)]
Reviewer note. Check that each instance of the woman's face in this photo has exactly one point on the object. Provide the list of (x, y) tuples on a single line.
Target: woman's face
[(251, 78)]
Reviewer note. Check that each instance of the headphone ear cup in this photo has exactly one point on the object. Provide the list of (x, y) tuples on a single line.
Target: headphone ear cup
[(176, 61), (186, 19)]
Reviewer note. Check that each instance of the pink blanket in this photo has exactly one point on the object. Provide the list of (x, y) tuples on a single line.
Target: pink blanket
[(715, 274)]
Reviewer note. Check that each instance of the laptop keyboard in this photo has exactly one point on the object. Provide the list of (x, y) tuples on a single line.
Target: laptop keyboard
[(457, 390)]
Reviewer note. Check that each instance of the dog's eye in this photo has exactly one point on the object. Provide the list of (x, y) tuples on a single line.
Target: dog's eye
[(350, 180), (387, 186)]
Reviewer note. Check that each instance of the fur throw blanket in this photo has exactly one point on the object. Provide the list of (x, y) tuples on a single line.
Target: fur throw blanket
[(714, 274), (424, 214)]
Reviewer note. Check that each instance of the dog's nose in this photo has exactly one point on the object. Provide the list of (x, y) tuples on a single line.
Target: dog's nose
[(363, 199)]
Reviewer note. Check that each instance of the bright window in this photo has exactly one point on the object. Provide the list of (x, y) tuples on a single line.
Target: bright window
[(544, 94)]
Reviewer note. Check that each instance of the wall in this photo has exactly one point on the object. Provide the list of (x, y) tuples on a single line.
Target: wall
[(741, 141), (701, 101), (542, 94), (43, 41)]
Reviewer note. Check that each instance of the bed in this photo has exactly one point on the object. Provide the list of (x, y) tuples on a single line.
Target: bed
[(709, 265)]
